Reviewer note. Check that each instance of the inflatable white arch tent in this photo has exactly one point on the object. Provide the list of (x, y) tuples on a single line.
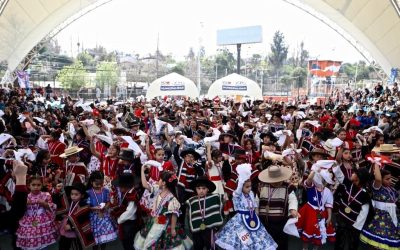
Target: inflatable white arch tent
[(235, 85), (172, 85)]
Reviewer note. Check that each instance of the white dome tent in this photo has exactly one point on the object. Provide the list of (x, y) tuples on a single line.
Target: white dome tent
[(235, 85), (172, 85)]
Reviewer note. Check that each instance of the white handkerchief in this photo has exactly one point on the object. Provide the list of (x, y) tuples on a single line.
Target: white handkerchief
[(4, 138), (290, 227)]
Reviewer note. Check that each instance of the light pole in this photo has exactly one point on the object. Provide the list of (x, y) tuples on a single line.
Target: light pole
[(262, 82), (216, 71)]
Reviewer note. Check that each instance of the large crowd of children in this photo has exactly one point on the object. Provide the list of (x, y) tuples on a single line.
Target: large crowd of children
[(211, 174)]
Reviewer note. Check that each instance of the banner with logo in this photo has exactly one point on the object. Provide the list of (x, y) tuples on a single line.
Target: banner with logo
[(234, 85), (23, 79), (324, 68), (174, 86)]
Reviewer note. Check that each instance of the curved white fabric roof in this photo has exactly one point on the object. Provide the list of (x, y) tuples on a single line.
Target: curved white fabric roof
[(172, 85), (375, 24), (24, 23), (235, 84)]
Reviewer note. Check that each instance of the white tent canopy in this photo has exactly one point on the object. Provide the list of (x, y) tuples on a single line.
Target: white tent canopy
[(172, 85), (235, 84)]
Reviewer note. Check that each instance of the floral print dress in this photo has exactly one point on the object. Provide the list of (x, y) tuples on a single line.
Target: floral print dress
[(383, 232), (157, 232)]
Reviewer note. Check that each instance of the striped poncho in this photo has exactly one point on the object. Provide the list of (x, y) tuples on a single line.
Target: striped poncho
[(213, 212)]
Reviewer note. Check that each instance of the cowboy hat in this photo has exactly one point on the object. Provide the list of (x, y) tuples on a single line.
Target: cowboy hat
[(203, 181), (200, 133), (126, 179), (240, 153), (387, 148), (270, 135), (229, 133), (127, 154), (71, 151), (275, 174), (192, 152), (80, 187), (262, 106), (319, 151)]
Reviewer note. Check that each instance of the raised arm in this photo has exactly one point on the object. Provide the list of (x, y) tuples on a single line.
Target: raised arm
[(93, 148), (378, 177), (145, 184)]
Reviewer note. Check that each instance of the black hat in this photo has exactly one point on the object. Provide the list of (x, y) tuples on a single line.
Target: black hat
[(126, 179), (192, 152), (270, 135), (229, 133), (203, 181), (205, 123), (291, 107), (80, 187), (135, 122), (171, 118), (127, 154), (240, 153), (363, 175), (200, 133), (24, 136)]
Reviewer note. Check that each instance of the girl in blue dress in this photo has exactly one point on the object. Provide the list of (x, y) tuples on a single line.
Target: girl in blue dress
[(244, 230), (383, 232), (103, 226)]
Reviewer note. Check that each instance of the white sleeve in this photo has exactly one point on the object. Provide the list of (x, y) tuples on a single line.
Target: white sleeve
[(129, 214), (239, 188), (293, 203), (361, 217), (328, 198), (338, 174)]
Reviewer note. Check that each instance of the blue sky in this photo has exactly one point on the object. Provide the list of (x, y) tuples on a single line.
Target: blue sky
[(132, 26)]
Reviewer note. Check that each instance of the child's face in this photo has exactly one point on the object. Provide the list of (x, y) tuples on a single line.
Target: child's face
[(160, 155), (347, 155), (76, 195), (189, 158), (342, 135), (227, 139), (201, 191), (218, 159), (98, 184), (46, 160), (161, 183), (35, 186), (387, 180), (112, 151), (317, 157), (246, 187), (73, 158)]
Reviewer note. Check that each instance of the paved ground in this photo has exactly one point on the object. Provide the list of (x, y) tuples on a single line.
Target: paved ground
[(294, 244)]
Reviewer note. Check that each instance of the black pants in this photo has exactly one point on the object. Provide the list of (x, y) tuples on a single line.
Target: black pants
[(129, 229), (347, 237), (275, 229), (69, 244), (202, 239)]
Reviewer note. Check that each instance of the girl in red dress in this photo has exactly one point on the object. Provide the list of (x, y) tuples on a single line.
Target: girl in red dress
[(109, 161), (56, 147), (155, 167)]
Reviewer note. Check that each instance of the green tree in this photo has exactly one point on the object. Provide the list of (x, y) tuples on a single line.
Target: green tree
[(73, 76), (179, 68), (226, 61), (107, 74), (279, 51), (86, 59), (300, 75)]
